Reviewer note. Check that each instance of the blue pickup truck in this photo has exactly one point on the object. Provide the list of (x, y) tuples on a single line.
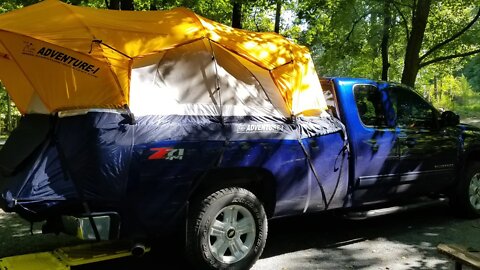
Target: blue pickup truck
[(219, 182)]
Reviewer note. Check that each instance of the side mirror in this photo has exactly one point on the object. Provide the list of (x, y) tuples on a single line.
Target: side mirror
[(449, 119)]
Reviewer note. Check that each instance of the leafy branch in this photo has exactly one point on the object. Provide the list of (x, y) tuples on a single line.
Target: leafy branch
[(452, 38), (449, 57)]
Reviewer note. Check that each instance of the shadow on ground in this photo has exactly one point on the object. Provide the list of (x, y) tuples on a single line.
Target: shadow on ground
[(399, 241)]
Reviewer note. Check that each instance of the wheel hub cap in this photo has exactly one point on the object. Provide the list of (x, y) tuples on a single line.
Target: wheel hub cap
[(474, 191), (232, 234)]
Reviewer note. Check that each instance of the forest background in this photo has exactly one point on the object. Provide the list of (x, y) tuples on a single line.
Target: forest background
[(430, 45)]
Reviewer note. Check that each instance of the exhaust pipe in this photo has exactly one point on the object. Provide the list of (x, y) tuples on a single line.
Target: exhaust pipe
[(138, 249)]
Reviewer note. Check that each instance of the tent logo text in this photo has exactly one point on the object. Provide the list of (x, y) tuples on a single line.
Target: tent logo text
[(28, 48), (260, 128), (62, 58), (68, 60)]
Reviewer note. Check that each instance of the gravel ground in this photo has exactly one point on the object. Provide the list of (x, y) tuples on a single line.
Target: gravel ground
[(472, 121), (398, 241), (16, 237)]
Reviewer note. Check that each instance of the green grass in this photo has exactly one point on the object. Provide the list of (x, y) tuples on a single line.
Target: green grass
[(471, 108), (467, 106)]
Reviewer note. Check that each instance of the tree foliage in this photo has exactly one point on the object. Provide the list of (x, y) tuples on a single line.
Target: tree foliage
[(349, 35), (472, 72)]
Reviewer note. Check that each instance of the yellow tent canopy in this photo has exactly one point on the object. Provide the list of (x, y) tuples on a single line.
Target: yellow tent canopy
[(55, 56)]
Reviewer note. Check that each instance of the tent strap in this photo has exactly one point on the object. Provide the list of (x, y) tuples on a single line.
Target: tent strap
[(100, 42), (68, 175)]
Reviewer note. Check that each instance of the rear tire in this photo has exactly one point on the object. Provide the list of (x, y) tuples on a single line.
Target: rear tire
[(226, 230), (466, 200)]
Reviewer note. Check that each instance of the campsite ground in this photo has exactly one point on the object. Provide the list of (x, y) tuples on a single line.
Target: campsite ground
[(406, 240), (400, 241)]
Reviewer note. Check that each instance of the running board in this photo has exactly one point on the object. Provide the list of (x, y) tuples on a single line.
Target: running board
[(359, 215), (65, 257)]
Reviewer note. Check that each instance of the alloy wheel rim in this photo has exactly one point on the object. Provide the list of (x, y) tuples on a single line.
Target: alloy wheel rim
[(232, 234), (474, 191)]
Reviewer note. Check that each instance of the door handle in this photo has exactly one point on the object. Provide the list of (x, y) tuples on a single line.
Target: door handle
[(373, 144)]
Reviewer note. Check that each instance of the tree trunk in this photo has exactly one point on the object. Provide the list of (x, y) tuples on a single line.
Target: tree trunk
[(153, 5), (120, 4), (387, 21), (414, 45), (278, 14), (113, 4), (126, 5), (237, 14)]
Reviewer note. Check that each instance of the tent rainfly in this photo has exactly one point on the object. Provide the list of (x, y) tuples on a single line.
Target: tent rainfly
[(56, 57)]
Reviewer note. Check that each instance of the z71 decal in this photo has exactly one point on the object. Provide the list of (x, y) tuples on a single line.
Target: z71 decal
[(166, 153)]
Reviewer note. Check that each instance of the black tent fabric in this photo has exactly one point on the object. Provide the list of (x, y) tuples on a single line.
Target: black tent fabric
[(32, 131), (82, 157)]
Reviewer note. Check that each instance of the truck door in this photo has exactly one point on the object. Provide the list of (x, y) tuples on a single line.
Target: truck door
[(428, 153), (374, 144)]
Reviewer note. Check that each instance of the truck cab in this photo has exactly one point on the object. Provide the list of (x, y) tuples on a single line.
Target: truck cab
[(400, 145)]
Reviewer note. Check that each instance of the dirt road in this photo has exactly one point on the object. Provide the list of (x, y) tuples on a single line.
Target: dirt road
[(472, 121), (399, 241)]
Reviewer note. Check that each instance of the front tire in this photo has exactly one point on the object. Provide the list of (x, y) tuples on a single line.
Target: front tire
[(226, 230), (466, 201)]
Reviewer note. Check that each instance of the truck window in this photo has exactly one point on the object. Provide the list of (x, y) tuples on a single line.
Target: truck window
[(410, 109), (369, 104)]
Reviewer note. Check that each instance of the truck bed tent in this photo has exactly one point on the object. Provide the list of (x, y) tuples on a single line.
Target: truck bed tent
[(77, 74), (55, 56)]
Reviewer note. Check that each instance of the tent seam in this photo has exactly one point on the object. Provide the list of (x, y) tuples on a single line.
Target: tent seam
[(253, 75), (66, 6)]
